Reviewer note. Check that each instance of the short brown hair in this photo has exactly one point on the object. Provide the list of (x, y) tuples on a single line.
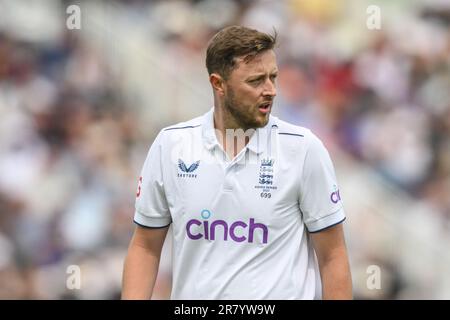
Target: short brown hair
[(233, 42)]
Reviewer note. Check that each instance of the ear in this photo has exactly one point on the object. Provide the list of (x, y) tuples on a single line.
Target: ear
[(217, 82)]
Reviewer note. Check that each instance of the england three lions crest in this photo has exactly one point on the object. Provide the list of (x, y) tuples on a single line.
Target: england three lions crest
[(265, 178)]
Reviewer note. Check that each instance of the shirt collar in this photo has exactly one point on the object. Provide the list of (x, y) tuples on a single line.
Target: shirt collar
[(208, 133), (258, 142)]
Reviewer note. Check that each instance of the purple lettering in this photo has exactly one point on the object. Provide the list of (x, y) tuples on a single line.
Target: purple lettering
[(209, 230), (253, 226), (233, 235), (335, 197), (225, 229), (188, 229), (206, 228)]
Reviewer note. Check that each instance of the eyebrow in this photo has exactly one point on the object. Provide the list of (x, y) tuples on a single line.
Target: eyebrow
[(260, 75)]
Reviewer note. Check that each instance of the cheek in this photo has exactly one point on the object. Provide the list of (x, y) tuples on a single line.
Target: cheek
[(247, 97)]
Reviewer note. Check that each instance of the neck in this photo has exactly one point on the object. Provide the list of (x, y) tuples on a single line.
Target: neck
[(225, 126), (224, 120)]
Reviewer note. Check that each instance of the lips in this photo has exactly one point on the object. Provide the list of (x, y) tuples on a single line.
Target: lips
[(265, 107)]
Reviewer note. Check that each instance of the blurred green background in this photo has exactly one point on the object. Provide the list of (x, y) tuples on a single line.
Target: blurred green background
[(80, 108)]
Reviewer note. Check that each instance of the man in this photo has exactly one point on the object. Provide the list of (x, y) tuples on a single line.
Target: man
[(253, 200)]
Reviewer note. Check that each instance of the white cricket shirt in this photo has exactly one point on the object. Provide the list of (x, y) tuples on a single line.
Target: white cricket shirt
[(241, 227)]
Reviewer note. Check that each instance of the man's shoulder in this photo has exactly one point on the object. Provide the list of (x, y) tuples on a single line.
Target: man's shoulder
[(305, 135), (185, 125), (186, 129), (288, 129)]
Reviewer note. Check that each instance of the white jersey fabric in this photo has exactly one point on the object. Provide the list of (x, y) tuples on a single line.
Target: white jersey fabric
[(241, 227)]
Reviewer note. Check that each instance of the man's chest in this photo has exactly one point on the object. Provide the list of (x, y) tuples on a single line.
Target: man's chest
[(259, 191)]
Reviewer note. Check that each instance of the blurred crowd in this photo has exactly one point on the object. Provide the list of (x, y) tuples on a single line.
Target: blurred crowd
[(76, 119)]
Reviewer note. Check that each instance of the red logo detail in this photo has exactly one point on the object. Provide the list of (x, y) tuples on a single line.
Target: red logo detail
[(138, 193)]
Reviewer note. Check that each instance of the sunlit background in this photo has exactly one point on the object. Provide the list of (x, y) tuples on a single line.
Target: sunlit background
[(80, 108)]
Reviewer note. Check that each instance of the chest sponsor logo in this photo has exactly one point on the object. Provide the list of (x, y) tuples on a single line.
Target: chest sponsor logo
[(237, 231)]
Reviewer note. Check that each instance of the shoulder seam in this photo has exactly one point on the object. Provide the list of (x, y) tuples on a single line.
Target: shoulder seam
[(291, 134), (186, 127)]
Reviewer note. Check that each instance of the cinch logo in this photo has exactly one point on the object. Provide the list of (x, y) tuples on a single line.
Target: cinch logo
[(197, 229), (335, 196)]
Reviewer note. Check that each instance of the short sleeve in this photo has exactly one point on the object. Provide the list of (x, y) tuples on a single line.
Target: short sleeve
[(320, 201), (151, 204)]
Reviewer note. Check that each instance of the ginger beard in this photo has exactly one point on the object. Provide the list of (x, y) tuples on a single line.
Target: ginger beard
[(244, 115)]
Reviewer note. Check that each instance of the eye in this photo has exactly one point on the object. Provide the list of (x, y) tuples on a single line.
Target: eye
[(273, 77), (255, 81)]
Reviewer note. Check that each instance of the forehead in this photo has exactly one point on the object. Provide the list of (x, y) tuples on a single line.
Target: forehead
[(262, 63)]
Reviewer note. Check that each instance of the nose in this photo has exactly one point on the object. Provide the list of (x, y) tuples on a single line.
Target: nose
[(269, 89)]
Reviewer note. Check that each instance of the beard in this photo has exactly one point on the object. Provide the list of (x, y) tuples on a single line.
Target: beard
[(245, 116)]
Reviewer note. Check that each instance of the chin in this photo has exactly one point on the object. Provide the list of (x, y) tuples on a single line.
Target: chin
[(259, 123)]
